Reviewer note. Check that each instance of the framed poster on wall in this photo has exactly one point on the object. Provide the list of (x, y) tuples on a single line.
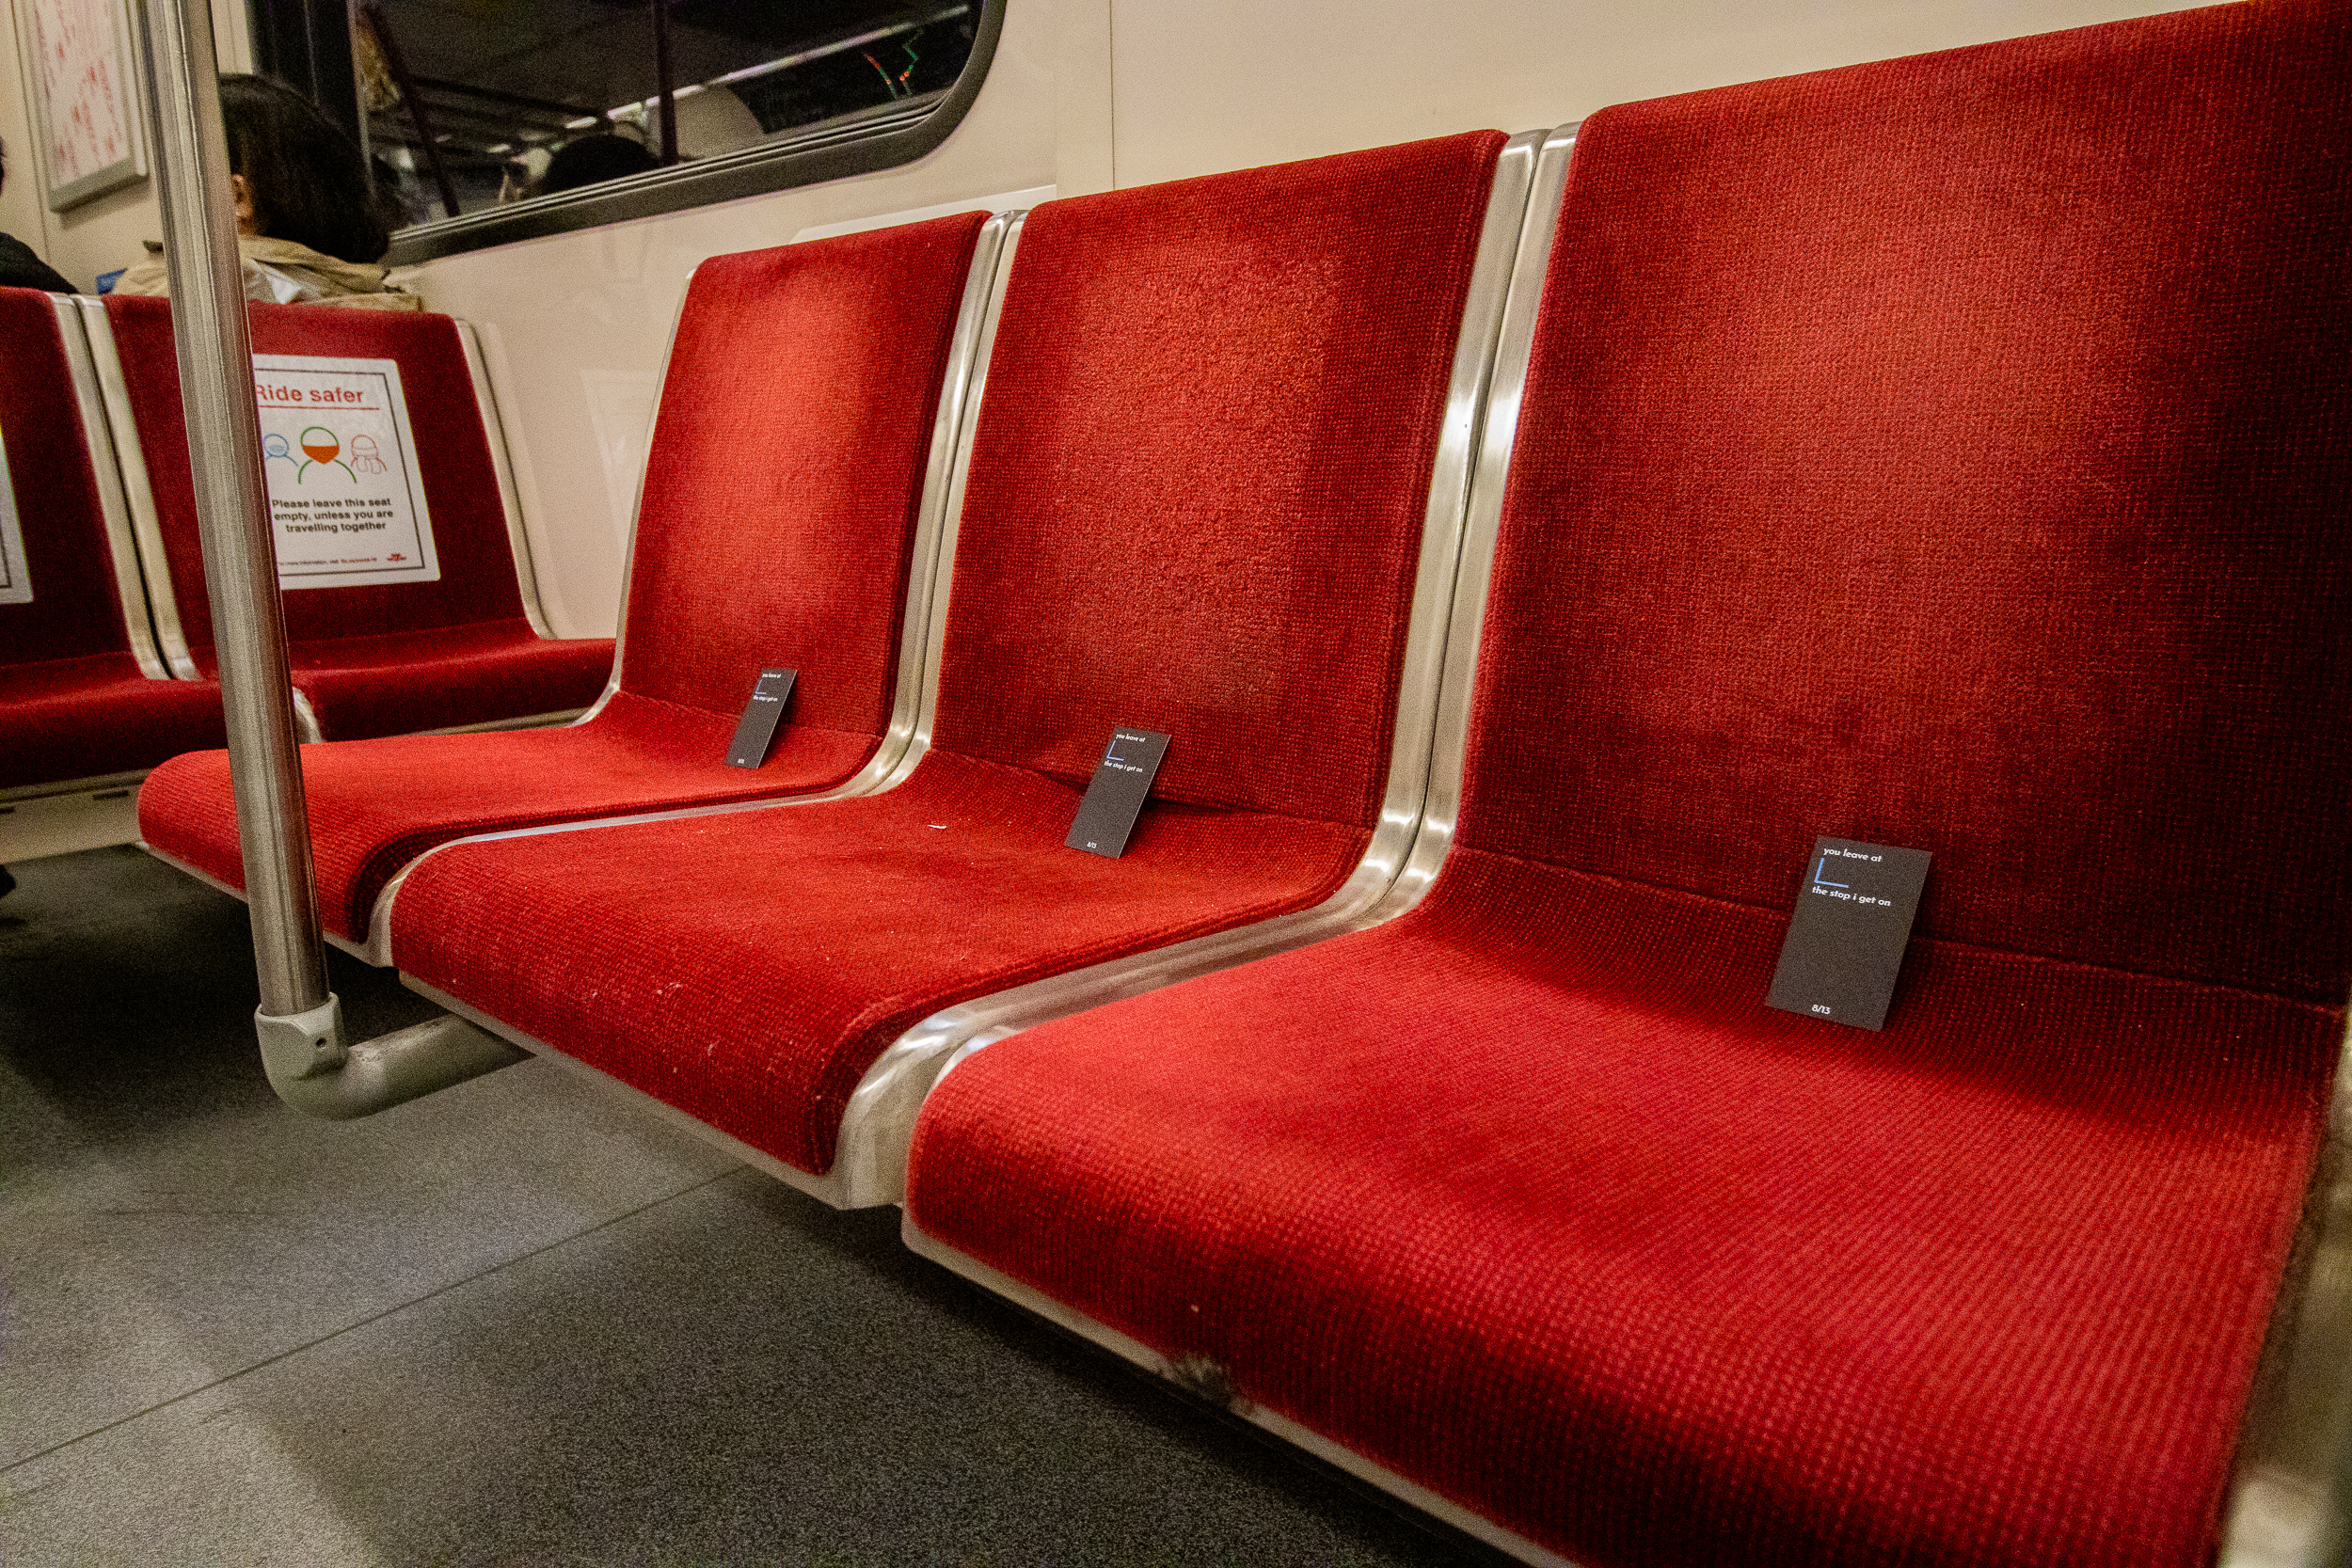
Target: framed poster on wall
[(85, 100)]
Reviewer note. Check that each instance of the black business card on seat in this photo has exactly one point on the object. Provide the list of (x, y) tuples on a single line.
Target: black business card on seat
[(1853, 922), (1115, 796), (756, 730)]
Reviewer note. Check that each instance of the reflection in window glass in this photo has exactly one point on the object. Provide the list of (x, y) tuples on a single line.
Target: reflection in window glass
[(472, 103)]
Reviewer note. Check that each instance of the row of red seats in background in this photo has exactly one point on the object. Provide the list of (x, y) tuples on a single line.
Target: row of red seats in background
[(106, 663)]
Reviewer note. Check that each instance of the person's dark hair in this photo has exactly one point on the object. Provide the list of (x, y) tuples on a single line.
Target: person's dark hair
[(587, 160), (307, 183)]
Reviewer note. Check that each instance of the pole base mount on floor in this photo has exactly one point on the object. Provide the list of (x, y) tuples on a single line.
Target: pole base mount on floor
[(316, 1073)]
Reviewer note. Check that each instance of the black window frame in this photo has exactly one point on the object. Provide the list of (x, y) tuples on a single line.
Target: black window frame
[(885, 137)]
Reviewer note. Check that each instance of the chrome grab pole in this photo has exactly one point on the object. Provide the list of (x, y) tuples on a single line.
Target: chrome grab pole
[(299, 1021), (208, 326)]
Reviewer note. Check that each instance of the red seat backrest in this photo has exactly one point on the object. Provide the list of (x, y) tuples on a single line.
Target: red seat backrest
[(1198, 486), (1955, 452), (786, 469), (75, 609), (461, 489)]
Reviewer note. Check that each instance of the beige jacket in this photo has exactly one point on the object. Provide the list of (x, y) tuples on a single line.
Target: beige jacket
[(284, 273)]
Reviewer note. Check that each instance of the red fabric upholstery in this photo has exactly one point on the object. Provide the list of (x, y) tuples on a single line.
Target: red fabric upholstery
[(1527, 1198), (1196, 500), (74, 611), (89, 717), (441, 676), (1950, 453), (788, 545), (1968, 480), (1240, 381), (814, 374), (401, 675), (461, 490), (378, 804), (73, 702), (749, 968)]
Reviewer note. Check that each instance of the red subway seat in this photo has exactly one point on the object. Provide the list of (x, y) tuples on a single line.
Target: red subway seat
[(377, 657), (76, 700), (1949, 453), (781, 489), (1195, 504)]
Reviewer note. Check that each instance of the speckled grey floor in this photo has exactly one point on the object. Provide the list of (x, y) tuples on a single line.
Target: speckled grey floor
[(517, 1321)]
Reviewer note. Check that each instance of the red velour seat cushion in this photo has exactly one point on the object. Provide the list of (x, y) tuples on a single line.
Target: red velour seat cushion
[(90, 716), (439, 677), (74, 704), (1954, 453), (1525, 1198), (749, 968), (375, 805), (396, 656), (1196, 498), (787, 545)]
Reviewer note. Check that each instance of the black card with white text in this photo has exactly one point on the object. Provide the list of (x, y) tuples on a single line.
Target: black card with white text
[(756, 730), (1852, 925), (1115, 795)]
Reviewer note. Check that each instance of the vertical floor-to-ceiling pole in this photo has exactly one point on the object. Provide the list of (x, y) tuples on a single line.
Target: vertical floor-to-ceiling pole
[(299, 1021), (216, 350)]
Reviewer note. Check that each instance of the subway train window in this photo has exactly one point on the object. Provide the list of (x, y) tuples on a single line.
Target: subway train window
[(489, 123)]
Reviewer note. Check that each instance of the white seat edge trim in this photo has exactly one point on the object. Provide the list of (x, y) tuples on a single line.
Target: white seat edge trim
[(1435, 1504), (510, 500), (98, 443), (824, 1189), (138, 493), (2290, 1502)]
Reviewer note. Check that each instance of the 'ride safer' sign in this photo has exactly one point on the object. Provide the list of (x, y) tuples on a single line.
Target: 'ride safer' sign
[(346, 503)]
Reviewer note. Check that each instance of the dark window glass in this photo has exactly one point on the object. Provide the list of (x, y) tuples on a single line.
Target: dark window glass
[(496, 119)]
